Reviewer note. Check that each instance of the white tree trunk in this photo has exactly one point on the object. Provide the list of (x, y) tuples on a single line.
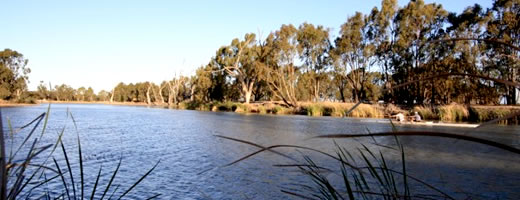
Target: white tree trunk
[(148, 99), (112, 95)]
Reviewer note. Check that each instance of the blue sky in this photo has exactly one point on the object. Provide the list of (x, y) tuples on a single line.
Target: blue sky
[(101, 43)]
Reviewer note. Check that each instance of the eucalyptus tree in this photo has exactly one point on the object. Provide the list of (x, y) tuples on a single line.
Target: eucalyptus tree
[(382, 29), (149, 88), (90, 95), (64, 93), (201, 84), (13, 74), (80, 94), (313, 48), (238, 60), (504, 26), (354, 54), (103, 95), (280, 71), (42, 91), (462, 56), (174, 88), (416, 24)]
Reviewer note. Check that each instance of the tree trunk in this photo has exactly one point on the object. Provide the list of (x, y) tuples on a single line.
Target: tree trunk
[(248, 96), (247, 90), (112, 95), (148, 99), (192, 92)]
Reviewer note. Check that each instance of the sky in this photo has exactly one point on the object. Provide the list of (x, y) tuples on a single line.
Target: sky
[(101, 43)]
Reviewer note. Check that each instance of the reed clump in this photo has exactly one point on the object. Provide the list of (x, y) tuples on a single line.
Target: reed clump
[(314, 110), (483, 114), (426, 113), (340, 110), (453, 112)]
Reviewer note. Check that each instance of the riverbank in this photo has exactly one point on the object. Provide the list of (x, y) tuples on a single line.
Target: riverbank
[(96, 102), (446, 113)]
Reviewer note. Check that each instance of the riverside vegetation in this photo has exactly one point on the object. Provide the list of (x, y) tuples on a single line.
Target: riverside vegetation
[(428, 59), (413, 56)]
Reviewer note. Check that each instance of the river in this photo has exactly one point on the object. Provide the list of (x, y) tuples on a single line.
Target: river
[(192, 158)]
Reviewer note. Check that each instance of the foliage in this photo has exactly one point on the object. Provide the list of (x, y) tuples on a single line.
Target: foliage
[(13, 74), (292, 64)]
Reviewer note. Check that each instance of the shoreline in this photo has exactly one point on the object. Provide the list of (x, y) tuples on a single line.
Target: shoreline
[(472, 114)]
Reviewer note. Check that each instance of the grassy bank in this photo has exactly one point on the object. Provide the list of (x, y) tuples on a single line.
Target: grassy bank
[(473, 113), (446, 113)]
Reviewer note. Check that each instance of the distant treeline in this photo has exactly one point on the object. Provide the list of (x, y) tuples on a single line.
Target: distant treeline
[(434, 56)]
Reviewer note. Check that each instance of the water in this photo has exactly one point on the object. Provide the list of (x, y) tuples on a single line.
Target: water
[(191, 157)]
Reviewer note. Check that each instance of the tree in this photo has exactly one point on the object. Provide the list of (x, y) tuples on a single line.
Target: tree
[(42, 91), (504, 26), (280, 72), (202, 84), (13, 74), (80, 94), (313, 48), (174, 88), (90, 95), (103, 95), (354, 54), (239, 61), (416, 25)]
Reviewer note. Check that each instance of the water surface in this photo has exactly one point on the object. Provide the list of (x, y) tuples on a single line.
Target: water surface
[(191, 157)]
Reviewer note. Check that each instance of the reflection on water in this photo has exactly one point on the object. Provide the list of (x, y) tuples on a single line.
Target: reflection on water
[(184, 142)]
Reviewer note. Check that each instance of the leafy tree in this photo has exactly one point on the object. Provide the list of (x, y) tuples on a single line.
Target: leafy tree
[(13, 74), (43, 92), (354, 54), (504, 61), (416, 24), (280, 72), (313, 48)]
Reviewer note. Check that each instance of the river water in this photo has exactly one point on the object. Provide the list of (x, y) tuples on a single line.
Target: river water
[(192, 159)]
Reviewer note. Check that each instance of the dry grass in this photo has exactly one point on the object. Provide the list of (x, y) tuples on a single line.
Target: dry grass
[(486, 113), (426, 113), (453, 112), (339, 110)]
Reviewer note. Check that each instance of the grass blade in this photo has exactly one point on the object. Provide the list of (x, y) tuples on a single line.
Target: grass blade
[(96, 184), (428, 134), (70, 170), (144, 176), (3, 169), (112, 178), (62, 178)]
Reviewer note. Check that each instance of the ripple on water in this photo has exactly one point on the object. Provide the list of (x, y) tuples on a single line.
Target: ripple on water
[(184, 143)]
